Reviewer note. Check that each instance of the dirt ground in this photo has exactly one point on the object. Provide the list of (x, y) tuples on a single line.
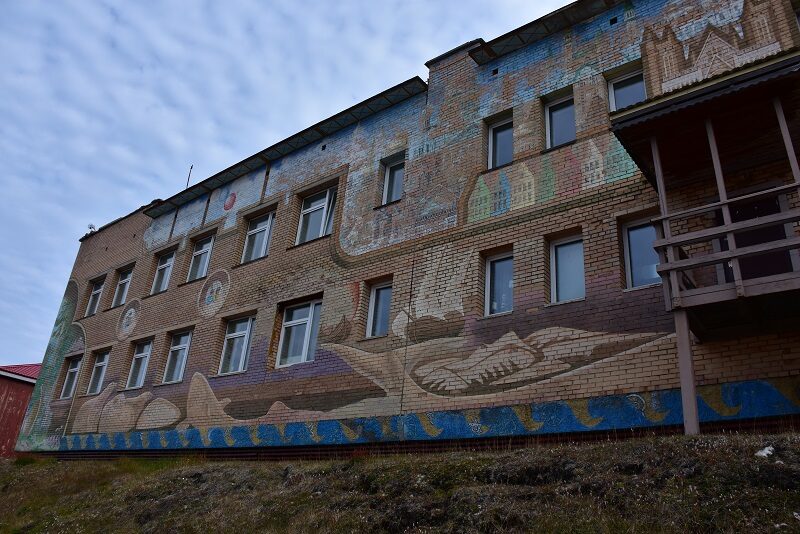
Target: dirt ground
[(658, 484)]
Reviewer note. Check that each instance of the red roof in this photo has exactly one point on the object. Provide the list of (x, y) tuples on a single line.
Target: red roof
[(28, 370)]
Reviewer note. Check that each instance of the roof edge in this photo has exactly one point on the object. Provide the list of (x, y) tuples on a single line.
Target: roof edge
[(459, 48)]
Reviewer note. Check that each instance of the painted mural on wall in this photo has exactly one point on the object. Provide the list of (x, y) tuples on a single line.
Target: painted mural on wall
[(37, 432), (213, 293), (226, 201), (128, 319)]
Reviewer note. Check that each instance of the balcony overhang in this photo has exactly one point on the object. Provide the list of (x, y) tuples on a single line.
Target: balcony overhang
[(664, 116)]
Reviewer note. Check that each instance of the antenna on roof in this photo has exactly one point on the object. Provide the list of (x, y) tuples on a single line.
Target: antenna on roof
[(190, 175)]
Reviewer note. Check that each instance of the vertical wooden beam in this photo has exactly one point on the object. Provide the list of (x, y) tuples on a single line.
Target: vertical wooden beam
[(726, 211), (672, 289), (691, 424), (787, 139)]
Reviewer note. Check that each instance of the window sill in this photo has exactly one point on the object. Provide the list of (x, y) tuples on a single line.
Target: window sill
[(637, 288), (87, 395), (193, 281), (309, 241), (372, 338), (248, 262), (130, 389), (59, 401), (287, 365), (500, 167), (388, 204), (562, 145), (168, 383), (223, 375), (492, 316), (561, 302), (153, 294), (114, 307)]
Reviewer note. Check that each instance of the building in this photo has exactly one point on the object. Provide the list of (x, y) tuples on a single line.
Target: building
[(469, 257), (16, 386)]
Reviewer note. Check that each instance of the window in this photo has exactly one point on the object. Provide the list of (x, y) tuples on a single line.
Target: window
[(176, 359), (641, 259), (163, 272), (299, 333), (123, 283), (316, 217), (566, 270), (256, 244), (499, 284), (393, 182), (139, 364), (560, 119), (501, 143), (94, 297), (237, 342), (198, 268), (380, 302), (71, 378), (626, 91), (98, 373)]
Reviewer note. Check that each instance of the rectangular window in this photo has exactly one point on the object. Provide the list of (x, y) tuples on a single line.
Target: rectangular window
[(316, 216), (380, 302), (176, 359), (499, 284), (94, 297), (237, 343), (393, 182), (626, 91), (98, 373), (501, 143), (259, 233), (641, 259), (123, 283), (163, 272), (71, 378), (566, 270), (198, 268), (560, 119), (141, 356), (299, 334)]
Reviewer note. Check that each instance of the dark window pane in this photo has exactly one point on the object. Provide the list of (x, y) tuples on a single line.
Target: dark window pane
[(311, 225), (502, 144), (501, 285), (643, 258), (380, 311), (394, 185), (569, 271), (330, 210), (562, 123), (629, 91)]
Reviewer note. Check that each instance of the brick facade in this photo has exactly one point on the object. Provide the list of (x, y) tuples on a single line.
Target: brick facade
[(445, 369)]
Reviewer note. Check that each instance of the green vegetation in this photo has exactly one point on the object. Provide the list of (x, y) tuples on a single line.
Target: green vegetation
[(666, 484)]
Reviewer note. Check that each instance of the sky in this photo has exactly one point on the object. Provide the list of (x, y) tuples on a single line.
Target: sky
[(104, 106)]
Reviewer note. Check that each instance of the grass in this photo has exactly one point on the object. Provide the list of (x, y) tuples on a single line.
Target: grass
[(658, 484)]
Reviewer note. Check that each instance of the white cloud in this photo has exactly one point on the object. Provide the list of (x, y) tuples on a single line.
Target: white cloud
[(104, 105)]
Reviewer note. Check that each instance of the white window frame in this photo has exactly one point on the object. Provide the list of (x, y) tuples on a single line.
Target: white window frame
[(196, 254), (627, 253), (547, 106), (372, 303), (492, 128), (488, 279), (246, 356), (159, 267), (251, 232), (97, 289), (306, 341), (611, 99), (387, 174), (173, 348), (77, 360), (146, 357), (325, 207), (126, 284), (101, 368), (554, 268)]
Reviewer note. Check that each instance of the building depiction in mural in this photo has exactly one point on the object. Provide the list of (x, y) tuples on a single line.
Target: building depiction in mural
[(587, 224)]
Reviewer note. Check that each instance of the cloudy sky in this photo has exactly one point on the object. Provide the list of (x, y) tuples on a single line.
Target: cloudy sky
[(104, 105)]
